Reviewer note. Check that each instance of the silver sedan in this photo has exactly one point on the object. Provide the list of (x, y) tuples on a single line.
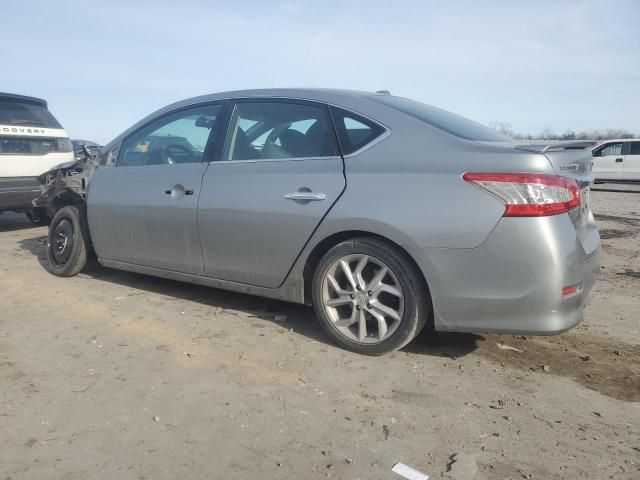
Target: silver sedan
[(386, 214)]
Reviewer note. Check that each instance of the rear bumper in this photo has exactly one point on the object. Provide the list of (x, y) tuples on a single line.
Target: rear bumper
[(513, 282), (17, 193)]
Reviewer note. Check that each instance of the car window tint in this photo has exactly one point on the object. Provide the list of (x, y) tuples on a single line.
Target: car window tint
[(270, 130), (354, 131), (635, 148), (180, 137), (26, 114), (612, 149)]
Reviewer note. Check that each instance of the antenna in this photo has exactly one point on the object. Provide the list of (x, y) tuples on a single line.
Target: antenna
[(383, 92)]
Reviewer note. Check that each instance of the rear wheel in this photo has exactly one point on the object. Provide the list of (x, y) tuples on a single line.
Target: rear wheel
[(67, 242), (369, 297)]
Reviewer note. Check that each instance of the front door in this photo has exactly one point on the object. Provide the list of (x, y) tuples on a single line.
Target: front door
[(608, 162), (143, 210), (278, 176)]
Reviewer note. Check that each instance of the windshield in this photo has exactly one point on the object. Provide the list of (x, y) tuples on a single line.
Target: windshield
[(441, 119), (13, 112)]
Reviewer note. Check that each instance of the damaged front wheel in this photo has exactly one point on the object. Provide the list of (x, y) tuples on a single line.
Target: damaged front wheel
[(67, 242)]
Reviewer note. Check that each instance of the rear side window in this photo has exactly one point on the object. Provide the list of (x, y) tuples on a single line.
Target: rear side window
[(354, 131), (635, 148), (449, 122), (24, 113)]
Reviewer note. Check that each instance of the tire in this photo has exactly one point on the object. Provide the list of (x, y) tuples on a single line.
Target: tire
[(67, 242), (409, 300)]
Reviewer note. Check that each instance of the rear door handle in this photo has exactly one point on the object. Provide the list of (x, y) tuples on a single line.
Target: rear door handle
[(178, 191), (305, 196), (619, 160)]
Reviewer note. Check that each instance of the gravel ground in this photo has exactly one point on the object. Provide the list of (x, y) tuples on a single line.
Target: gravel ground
[(114, 375)]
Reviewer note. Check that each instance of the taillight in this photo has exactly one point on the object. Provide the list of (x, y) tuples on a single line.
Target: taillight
[(63, 145), (529, 194)]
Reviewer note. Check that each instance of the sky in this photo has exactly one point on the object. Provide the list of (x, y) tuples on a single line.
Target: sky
[(103, 65)]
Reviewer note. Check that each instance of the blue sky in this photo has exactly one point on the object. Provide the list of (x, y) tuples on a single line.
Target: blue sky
[(103, 65)]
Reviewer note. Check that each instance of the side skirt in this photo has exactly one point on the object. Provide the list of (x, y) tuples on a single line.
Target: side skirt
[(289, 292)]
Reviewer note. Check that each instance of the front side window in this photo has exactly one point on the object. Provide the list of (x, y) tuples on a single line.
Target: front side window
[(273, 130), (180, 137), (354, 131), (612, 149)]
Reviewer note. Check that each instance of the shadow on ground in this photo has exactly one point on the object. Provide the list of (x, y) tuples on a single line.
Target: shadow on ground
[(300, 318), (10, 221)]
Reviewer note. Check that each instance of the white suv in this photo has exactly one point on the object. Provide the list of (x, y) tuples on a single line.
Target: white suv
[(617, 161), (32, 142)]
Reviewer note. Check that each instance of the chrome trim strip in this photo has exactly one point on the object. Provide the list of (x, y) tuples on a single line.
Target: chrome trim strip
[(287, 159)]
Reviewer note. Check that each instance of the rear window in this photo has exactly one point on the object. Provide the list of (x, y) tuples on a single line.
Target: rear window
[(14, 112), (449, 122), (635, 148)]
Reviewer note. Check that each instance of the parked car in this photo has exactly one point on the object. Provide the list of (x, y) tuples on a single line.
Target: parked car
[(32, 142), (384, 213), (617, 161)]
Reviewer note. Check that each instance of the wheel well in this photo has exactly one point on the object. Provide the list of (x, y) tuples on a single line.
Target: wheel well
[(328, 243), (64, 198)]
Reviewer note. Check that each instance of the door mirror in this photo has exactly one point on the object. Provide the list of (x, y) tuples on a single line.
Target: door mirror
[(596, 153)]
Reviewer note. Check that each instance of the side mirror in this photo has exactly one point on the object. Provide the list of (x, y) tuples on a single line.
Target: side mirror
[(596, 153)]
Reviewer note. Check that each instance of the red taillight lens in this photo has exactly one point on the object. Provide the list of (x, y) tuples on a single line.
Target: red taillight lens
[(529, 194)]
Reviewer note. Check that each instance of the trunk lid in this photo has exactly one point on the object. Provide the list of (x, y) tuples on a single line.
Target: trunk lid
[(571, 159)]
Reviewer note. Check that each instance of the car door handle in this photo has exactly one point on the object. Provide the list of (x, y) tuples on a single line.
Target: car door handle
[(186, 192), (305, 196), (178, 191), (619, 160)]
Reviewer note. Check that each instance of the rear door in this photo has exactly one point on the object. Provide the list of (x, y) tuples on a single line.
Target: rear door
[(631, 168), (608, 161), (278, 175), (143, 210)]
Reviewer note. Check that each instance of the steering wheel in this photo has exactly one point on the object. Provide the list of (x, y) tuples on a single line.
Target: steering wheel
[(168, 153)]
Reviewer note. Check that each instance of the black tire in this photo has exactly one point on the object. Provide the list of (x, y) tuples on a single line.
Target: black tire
[(67, 242), (417, 301)]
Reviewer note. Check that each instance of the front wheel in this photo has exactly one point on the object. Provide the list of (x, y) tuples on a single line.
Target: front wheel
[(67, 242), (369, 297)]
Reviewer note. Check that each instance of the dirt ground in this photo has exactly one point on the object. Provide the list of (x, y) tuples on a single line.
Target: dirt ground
[(111, 375)]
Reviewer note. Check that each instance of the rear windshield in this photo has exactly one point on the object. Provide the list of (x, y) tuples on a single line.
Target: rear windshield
[(447, 121), (14, 112)]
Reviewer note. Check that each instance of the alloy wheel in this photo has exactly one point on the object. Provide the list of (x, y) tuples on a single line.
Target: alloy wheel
[(363, 298)]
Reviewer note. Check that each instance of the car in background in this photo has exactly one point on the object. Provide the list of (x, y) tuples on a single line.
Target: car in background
[(32, 142), (617, 161), (384, 213), (82, 148)]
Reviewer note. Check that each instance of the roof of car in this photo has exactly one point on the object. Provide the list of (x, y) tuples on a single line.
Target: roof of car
[(23, 98), (327, 95), (619, 140)]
